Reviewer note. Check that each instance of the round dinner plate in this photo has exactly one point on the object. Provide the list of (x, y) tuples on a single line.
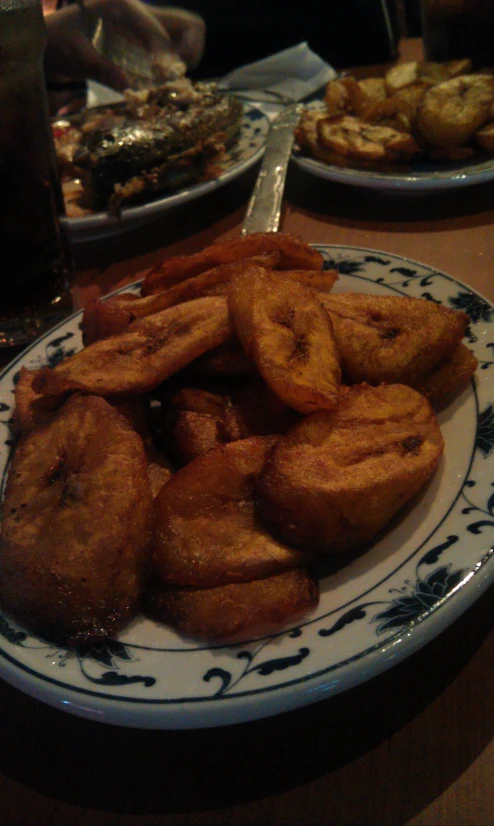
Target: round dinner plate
[(427, 176), (432, 563), (246, 152)]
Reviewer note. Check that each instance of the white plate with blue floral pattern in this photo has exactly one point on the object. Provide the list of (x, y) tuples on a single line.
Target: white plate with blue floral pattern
[(431, 564), (239, 158)]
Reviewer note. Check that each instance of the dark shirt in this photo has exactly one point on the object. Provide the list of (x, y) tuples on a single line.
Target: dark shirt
[(343, 32)]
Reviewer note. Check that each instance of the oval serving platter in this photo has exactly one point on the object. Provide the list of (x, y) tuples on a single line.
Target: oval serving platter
[(430, 565), (246, 152)]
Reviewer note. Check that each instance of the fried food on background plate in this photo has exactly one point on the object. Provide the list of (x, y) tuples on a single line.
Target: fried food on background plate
[(337, 478), (419, 109), (285, 330), (235, 609), (349, 137), (393, 339), (295, 254), (148, 352), (451, 112), (77, 524), (207, 529)]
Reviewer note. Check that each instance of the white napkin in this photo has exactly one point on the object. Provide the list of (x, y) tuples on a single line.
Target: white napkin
[(292, 73)]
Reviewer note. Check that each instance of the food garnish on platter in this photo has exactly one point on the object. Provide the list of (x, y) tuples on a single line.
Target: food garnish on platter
[(418, 111), (259, 430), (160, 139)]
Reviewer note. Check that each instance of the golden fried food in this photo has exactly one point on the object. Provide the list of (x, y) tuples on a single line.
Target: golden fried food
[(286, 331), (450, 376), (342, 95), (396, 113), (295, 254), (235, 609), (307, 136), (207, 529), (101, 319), (450, 113), (394, 339), (32, 408), (195, 419), (427, 73), (159, 469), (335, 480), (148, 352), (373, 89), (77, 524), (194, 287), (228, 361), (401, 76), (418, 109), (485, 137), (355, 139)]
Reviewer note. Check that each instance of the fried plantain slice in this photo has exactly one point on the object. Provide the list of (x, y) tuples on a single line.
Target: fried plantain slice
[(343, 94), (77, 524), (194, 287), (373, 89), (450, 113), (207, 530), (196, 419), (101, 319), (335, 480), (394, 339), (295, 254), (235, 609), (148, 352), (356, 140), (485, 137), (307, 137), (228, 361), (31, 408), (450, 377), (286, 331)]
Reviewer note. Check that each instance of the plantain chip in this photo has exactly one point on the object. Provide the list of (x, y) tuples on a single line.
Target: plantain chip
[(337, 478), (295, 254), (394, 339), (207, 529), (235, 609), (77, 524), (148, 352), (450, 113), (286, 331)]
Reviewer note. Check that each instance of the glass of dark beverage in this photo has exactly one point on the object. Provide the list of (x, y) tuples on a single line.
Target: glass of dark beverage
[(34, 257), (455, 29)]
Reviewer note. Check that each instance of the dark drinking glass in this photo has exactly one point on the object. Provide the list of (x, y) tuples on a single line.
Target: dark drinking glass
[(34, 258)]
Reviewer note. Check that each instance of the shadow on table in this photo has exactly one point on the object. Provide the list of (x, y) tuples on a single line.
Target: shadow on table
[(149, 772), (363, 206), (224, 206)]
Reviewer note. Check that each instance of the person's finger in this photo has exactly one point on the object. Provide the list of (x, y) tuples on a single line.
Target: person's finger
[(102, 69), (187, 30), (133, 20)]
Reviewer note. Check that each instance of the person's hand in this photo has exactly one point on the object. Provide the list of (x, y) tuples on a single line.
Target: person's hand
[(71, 56), (187, 32)]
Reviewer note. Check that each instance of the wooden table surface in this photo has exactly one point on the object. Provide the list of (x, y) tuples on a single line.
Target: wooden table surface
[(412, 746)]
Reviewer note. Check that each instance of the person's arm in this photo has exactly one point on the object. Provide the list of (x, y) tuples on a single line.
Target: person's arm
[(70, 55)]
